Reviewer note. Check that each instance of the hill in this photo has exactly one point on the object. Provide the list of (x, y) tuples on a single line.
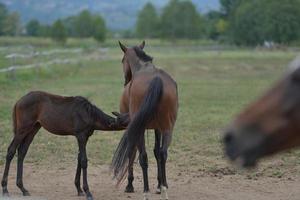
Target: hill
[(119, 14)]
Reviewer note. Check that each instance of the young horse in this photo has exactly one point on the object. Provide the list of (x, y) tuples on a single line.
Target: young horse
[(267, 126), (151, 100), (58, 115)]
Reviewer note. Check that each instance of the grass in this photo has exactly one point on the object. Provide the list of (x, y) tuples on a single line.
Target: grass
[(214, 85)]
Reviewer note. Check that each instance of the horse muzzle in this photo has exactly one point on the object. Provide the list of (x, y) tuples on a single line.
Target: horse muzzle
[(244, 146)]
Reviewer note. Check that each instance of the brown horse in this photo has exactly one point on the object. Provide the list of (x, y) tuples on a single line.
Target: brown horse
[(269, 125), (150, 98), (58, 115)]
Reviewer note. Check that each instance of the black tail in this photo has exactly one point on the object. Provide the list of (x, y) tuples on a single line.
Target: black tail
[(136, 129)]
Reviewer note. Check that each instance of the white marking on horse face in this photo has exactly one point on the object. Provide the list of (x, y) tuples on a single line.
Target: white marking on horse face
[(295, 64)]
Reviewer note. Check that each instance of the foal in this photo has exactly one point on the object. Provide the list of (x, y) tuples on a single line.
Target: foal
[(150, 98), (61, 116)]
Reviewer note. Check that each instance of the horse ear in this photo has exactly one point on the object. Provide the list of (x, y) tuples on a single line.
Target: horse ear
[(142, 45), (124, 49)]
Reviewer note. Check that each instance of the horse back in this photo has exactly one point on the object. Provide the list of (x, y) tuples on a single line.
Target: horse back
[(53, 112)]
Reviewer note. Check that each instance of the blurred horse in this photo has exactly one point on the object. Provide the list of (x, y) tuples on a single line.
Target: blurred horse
[(269, 125), (150, 98), (61, 116)]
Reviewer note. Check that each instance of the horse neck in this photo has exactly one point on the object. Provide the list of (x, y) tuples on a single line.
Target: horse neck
[(102, 121), (138, 65)]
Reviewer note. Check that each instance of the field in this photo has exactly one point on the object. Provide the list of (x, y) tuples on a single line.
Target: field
[(215, 83)]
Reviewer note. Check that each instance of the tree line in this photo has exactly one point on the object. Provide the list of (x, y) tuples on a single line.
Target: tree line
[(242, 22), (83, 25)]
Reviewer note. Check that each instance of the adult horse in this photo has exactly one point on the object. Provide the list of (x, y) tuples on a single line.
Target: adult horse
[(61, 116), (269, 125), (150, 98)]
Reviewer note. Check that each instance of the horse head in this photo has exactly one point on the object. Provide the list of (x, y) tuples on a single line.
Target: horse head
[(267, 126)]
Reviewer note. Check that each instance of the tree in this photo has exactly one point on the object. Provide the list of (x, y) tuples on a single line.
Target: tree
[(181, 20), (211, 19), (11, 24), (84, 26), (266, 20), (33, 27), (147, 25), (45, 30), (69, 24), (59, 33), (281, 20), (99, 29), (3, 14), (228, 6)]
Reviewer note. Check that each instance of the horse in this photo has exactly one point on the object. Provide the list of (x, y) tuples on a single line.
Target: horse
[(150, 98), (61, 116), (268, 125)]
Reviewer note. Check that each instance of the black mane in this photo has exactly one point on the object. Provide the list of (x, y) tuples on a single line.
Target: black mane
[(142, 55), (93, 111)]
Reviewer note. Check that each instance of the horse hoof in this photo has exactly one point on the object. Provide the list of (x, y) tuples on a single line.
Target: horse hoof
[(129, 189), (164, 194), (80, 194), (26, 193), (158, 190), (146, 196), (5, 194)]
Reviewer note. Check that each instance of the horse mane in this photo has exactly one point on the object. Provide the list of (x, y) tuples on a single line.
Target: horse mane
[(93, 111), (142, 55)]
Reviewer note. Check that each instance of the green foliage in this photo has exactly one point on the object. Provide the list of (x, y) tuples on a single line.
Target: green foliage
[(180, 19), (44, 31), (69, 23), (229, 6), (33, 27), (3, 14), (59, 33), (100, 30), (212, 20), (11, 24), (266, 20), (84, 26), (147, 25)]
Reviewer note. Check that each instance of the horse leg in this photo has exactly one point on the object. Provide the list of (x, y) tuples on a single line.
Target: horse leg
[(156, 151), (143, 159), (166, 140), (130, 178), (82, 141), (77, 176), (22, 151), (11, 151)]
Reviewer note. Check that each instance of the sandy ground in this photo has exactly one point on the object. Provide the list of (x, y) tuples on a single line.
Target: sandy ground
[(52, 184)]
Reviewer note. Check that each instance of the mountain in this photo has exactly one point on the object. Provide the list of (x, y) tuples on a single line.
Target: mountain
[(119, 14)]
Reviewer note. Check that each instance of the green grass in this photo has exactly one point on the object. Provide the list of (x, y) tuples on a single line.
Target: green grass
[(213, 87)]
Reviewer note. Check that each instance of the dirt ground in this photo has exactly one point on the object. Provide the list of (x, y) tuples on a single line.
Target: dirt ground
[(48, 183)]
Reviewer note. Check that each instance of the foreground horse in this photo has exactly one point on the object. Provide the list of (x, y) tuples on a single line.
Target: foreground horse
[(269, 125), (151, 100), (58, 115)]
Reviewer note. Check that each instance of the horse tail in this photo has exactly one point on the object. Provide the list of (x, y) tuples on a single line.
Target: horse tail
[(127, 146), (14, 118)]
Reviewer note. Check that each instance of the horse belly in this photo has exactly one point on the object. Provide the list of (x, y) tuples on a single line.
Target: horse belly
[(57, 122)]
